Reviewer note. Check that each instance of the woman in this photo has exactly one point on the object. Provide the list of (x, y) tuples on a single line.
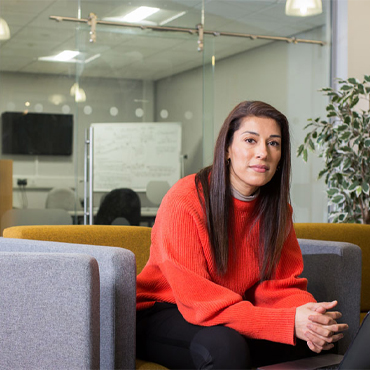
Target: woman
[(221, 287)]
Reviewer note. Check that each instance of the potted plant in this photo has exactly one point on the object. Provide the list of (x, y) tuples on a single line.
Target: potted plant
[(342, 139)]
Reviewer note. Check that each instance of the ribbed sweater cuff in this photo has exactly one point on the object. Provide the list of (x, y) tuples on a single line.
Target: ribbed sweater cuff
[(275, 325)]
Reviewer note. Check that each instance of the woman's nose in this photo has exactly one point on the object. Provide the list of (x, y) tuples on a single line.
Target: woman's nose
[(261, 151)]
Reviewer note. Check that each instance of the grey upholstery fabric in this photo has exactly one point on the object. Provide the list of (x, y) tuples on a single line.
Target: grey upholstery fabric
[(49, 311), (117, 270), (333, 270)]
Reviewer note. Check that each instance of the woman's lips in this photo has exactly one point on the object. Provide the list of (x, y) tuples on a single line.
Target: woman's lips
[(260, 169)]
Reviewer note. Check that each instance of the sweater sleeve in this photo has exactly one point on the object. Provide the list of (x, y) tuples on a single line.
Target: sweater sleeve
[(178, 242)]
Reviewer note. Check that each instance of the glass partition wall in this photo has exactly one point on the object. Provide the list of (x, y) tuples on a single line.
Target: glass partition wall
[(165, 71)]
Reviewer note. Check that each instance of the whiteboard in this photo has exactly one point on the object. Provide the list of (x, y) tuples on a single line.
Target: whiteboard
[(129, 155)]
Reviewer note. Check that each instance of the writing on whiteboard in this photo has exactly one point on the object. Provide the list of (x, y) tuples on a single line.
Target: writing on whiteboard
[(132, 154)]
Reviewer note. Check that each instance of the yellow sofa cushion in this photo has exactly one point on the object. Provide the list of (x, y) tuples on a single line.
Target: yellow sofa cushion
[(134, 238), (351, 233)]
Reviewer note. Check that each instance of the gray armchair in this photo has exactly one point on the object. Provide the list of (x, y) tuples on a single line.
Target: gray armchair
[(49, 297)]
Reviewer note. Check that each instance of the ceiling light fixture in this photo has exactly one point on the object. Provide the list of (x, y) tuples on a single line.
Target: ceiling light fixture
[(78, 93), (139, 14), (303, 8), (68, 56), (64, 56), (168, 20), (4, 30)]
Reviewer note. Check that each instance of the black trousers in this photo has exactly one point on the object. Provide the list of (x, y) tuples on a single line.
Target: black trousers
[(165, 337)]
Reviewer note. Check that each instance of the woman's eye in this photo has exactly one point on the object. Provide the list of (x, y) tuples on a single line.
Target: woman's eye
[(249, 141), (274, 143)]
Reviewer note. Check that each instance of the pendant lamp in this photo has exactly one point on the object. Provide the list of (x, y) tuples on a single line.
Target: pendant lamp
[(4, 30), (303, 8), (78, 93)]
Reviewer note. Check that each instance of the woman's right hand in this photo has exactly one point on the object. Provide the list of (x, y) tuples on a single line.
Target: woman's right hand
[(318, 326)]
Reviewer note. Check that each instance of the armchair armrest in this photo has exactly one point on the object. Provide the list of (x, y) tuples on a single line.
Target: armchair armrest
[(49, 311), (333, 271)]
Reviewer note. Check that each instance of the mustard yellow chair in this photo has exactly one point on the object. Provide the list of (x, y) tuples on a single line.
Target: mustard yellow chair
[(351, 233), (134, 238)]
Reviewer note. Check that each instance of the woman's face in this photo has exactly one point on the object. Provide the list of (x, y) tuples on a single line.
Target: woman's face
[(254, 153)]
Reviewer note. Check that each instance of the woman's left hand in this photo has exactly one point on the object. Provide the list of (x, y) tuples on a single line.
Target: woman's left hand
[(323, 328)]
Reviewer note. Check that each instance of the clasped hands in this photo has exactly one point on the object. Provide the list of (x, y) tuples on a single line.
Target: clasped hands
[(316, 325)]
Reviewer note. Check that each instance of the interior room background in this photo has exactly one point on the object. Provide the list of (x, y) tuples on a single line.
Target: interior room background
[(141, 75)]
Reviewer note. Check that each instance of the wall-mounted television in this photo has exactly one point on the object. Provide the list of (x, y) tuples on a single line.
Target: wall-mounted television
[(37, 133)]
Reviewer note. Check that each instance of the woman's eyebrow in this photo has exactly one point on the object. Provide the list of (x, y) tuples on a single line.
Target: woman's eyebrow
[(257, 134)]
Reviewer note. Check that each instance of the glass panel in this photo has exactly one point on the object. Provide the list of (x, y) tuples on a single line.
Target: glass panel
[(133, 77), (286, 75), (139, 75)]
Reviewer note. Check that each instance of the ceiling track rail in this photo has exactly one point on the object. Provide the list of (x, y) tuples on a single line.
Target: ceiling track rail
[(93, 21)]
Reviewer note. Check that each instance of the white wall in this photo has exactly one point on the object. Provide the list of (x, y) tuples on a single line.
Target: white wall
[(358, 38), (45, 172), (284, 75)]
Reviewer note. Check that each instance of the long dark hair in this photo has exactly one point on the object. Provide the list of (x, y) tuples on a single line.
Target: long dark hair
[(272, 208)]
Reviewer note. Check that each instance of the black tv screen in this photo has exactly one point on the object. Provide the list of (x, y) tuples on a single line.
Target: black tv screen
[(37, 133)]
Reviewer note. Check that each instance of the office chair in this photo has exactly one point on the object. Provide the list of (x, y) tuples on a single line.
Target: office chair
[(156, 190), (119, 207), (62, 198)]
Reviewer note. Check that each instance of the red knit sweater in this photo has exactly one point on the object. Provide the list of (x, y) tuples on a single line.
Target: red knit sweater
[(180, 270)]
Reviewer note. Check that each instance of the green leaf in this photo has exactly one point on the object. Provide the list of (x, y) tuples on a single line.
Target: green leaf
[(331, 114), (361, 88), (330, 107), (346, 87), (347, 120), (322, 172), (342, 217), (355, 101), (367, 78), (347, 164), (358, 190), (311, 144), (353, 186), (337, 162), (300, 150), (305, 155), (332, 191), (345, 136), (342, 127), (365, 188), (353, 80), (338, 199)]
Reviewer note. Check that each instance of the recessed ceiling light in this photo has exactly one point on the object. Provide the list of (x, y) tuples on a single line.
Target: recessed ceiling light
[(139, 14), (168, 20), (64, 56), (135, 16), (68, 56)]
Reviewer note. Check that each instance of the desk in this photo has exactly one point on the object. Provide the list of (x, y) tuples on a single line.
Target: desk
[(147, 215)]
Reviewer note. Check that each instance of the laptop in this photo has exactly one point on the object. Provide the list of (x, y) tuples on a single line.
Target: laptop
[(356, 357)]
